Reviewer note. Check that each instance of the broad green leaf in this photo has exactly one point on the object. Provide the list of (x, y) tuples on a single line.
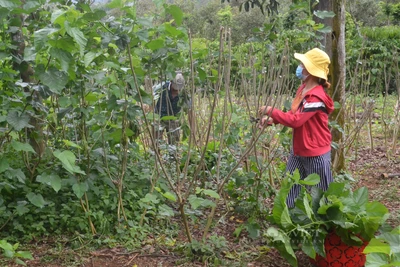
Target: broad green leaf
[(24, 255), (202, 73), (64, 111), (195, 201), (150, 198), (393, 238), (377, 246), (5, 245), (392, 264), (211, 193), (9, 254), (36, 199), (10, 4), (326, 29), (280, 200), (296, 176), (54, 79), (322, 14), (17, 173), (350, 205), (68, 159), (337, 105), (21, 209), (50, 179), (19, 261), (376, 209), (238, 230), (78, 36), (207, 203), (307, 207), (308, 248), (360, 196), (176, 13), (80, 189), (316, 196), (311, 179), (4, 13), (146, 22), (71, 144), (172, 31), (41, 36), (31, 6), (65, 42), (117, 134), (18, 146), (335, 189), (318, 241), (371, 225), (63, 56), (170, 196), (286, 222), (376, 260), (56, 14), (165, 210), (18, 121), (30, 54), (116, 4), (155, 44), (335, 205), (89, 57), (4, 165), (299, 215), (282, 243), (253, 229), (96, 15)]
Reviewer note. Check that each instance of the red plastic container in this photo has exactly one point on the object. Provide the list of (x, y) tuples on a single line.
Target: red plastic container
[(339, 254)]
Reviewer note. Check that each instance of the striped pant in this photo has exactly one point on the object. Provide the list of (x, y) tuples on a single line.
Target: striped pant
[(320, 165)]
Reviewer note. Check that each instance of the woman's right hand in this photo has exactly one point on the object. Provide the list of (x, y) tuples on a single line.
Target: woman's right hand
[(265, 121)]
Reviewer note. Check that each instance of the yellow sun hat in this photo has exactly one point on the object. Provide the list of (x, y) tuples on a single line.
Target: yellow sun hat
[(316, 62)]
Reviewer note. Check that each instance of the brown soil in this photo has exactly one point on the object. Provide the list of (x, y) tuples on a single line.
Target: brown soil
[(366, 167)]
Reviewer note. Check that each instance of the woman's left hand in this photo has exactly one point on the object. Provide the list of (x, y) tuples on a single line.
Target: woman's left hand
[(264, 110)]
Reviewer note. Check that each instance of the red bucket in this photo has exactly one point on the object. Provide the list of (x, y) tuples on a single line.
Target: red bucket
[(339, 254)]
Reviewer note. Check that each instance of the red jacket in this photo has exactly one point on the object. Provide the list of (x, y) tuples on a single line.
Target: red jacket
[(311, 135)]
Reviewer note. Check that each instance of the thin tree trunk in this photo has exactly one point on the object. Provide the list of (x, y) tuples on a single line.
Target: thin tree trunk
[(338, 78), (35, 134), (334, 44)]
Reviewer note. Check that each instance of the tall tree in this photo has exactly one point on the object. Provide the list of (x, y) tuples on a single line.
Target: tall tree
[(338, 78), (334, 43)]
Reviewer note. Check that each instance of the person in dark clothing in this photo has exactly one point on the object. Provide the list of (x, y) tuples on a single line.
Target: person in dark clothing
[(168, 108), (311, 151)]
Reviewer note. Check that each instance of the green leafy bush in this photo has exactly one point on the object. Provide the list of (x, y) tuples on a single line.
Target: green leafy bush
[(348, 213)]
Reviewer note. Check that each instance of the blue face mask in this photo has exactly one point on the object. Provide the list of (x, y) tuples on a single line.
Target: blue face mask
[(299, 72)]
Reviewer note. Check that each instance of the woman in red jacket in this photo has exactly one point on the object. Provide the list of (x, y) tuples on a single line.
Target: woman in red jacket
[(311, 152)]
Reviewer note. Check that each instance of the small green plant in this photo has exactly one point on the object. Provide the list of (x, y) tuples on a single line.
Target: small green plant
[(349, 214), (209, 251), (10, 252)]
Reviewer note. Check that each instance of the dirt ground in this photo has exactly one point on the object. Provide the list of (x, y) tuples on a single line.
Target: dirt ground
[(366, 166)]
